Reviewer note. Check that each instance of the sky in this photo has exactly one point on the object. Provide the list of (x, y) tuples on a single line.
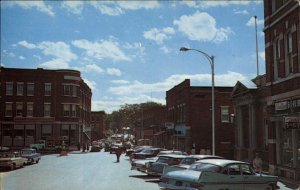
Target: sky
[(128, 51)]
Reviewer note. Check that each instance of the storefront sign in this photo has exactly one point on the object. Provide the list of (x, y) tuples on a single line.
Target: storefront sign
[(289, 104), (292, 122), (281, 105)]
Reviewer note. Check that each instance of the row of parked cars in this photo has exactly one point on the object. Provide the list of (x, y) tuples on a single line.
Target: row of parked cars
[(18, 159), (178, 170)]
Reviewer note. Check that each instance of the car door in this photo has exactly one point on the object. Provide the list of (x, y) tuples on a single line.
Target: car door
[(235, 180), (251, 180)]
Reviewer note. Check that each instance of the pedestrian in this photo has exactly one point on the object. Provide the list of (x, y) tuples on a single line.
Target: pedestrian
[(118, 152), (257, 163)]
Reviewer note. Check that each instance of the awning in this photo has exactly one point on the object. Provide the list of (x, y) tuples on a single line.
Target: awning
[(159, 133)]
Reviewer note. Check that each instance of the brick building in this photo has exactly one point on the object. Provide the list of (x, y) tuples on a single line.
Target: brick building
[(189, 118), (282, 46), (39, 104), (268, 117), (97, 125)]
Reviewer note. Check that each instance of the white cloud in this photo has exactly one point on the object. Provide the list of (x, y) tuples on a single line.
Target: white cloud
[(158, 35), (136, 87), (210, 4), (91, 84), (55, 64), (21, 57), (115, 8), (90, 68), (59, 50), (114, 71), (165, 49), (107, 7), (39, 5), (102, 49), (201, 27), (120, 81), (241, 12), (251, 22), (74, 7)]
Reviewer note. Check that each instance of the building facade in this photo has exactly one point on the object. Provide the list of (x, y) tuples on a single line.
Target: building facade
[(97, 125), (189, 119), (40, 104), (282, 48)]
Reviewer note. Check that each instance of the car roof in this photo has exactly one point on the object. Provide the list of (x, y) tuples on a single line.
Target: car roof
[(202, 156), (27, 149), (173, 156), (220, 162), (172, 152)]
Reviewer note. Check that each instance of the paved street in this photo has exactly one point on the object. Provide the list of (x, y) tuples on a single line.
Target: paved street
[(79, 171)]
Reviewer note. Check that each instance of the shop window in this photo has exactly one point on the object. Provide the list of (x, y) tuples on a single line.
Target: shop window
[(65, 130), (30, 89), (287, 148), (47, 89), (29, 131), (225, 114), (20, 88), (19, 109), (9, 89), (29, 109), (7, 130), (46, 131)]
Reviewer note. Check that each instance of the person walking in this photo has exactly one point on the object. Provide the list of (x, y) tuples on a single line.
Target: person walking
[(118, 153), (257, 163)]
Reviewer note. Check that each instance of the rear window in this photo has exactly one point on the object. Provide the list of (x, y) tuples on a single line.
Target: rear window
[(205, 167)]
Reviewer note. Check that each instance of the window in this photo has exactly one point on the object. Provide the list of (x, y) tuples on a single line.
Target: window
[(30, 89), (29, 109), (47, 89), (8, 109), (66, 108), (225, 114), (273, 6), (65, 130), (289, 50), (67, 90), (74, 91), (46, 131), (73, 110), (47, 109), (19, 130), (29, 131), (19, 109), (7, 130), (276, 55), (9, 89), (234, 170), (20, 88)]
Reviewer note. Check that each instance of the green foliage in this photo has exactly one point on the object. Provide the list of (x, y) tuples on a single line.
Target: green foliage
[(128, 115)]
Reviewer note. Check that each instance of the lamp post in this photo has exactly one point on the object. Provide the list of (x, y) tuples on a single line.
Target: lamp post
[(211, 60)]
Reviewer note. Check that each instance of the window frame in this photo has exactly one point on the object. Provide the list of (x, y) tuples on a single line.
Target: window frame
[(9, 88), (8, 112), (47, 113), (30, 92), (227, 115), (47, 91), (29, 105), (21, 109), (20, 91)]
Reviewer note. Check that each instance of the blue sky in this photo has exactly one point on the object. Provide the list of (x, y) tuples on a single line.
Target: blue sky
[(128, 51)]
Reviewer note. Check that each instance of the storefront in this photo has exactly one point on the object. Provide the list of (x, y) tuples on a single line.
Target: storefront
[(287, 123)]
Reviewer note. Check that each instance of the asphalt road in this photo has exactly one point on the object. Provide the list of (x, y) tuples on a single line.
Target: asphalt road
[(80, 171)]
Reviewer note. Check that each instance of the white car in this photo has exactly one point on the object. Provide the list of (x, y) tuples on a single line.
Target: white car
[(12, 160)]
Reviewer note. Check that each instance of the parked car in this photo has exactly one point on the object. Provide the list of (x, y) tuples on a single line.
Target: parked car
[(218, 174), (31, 155), (188, 161), (140, 164), (135, 149), (96, 148), (146, 153), (12, 160), (156, 168)]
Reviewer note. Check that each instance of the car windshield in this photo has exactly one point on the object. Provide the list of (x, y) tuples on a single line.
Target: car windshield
[(188, 161), (205, 167), (163, 159)]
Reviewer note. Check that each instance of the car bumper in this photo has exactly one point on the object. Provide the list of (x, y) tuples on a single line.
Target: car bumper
[(165, 186)]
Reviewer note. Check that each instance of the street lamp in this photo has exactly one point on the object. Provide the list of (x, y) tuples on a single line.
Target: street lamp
[(211, 60)]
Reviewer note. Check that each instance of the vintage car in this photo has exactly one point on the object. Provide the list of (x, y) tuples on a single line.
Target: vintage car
[(140, 164), (31, 155), (216, 174), (188, 161), (157, 168), (146, 153), (96, 148), (135, 149), (12, 160)]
